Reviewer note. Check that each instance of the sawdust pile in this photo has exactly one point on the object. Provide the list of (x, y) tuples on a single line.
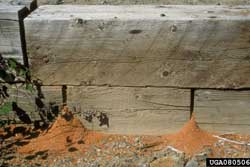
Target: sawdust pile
[(67, 134), (191, 139)]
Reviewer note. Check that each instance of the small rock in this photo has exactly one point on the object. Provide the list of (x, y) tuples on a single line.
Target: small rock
[(144, 165), (122, 145), (137, 140), (144, 160), (201, 156), (192, 163), (166, 162), (168, 157), (94, 164)]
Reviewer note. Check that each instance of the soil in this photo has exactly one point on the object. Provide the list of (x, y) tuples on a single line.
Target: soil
[(66, 134), (191, 139), (67, 138)]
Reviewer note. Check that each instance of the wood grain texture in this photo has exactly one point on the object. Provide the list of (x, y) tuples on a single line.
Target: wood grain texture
[(180, 46), (223, 111), (132, 110), (136, 2), (11, 31), (26, 100), (10, 42), (9, 12), (30, 4)]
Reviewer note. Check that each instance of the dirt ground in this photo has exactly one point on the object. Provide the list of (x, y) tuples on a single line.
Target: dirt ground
[(68, 143)]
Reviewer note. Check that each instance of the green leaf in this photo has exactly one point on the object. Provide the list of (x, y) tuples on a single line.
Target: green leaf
[(12, 63), (28, 73), (29, 87), (22, 73), (6, 108)]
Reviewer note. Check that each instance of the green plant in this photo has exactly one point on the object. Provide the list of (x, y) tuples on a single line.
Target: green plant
[(15, 75), (6, 108)]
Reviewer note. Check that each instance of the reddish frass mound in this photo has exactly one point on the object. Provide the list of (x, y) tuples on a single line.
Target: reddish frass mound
[(66, 133), (191, 139)]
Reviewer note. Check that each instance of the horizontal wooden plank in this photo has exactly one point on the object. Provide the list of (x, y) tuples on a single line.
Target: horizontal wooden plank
[(26, 100), (155, 2), (155, 73), (137, 12), (223, 111), (130, 45), (132, 110)]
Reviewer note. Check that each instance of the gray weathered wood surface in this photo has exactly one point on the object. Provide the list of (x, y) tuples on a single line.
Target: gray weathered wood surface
[(132, 110), (30, 4), (180, 46), (11, 31), (155, 2), (223, 111), (26, 100)]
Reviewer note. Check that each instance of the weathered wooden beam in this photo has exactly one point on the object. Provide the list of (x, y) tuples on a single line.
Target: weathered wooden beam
[(12, 38), (30, 4), (179, 46), (223, 111), (144, 2), (132, 110), (26, 100)]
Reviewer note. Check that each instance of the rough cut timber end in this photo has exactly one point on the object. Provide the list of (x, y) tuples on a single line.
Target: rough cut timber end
[(179, 46), (11, 12), (30, 4), (12, 42)]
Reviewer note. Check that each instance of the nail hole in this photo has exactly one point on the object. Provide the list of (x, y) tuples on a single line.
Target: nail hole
[(160, 6), (212, 17), (210, 11), (165, 73), (173, 28), (79, 21), (101, 27), (135, 31), (163, 15)]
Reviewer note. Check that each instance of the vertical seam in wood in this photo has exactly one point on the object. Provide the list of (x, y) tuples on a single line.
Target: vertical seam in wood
[(21, 15), (33, 5), (192, 102), (64, 95)]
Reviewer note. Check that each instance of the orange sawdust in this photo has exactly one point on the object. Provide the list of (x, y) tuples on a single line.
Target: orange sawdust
[(2, 132), (65, 135), (191, 139), (68, 134)]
